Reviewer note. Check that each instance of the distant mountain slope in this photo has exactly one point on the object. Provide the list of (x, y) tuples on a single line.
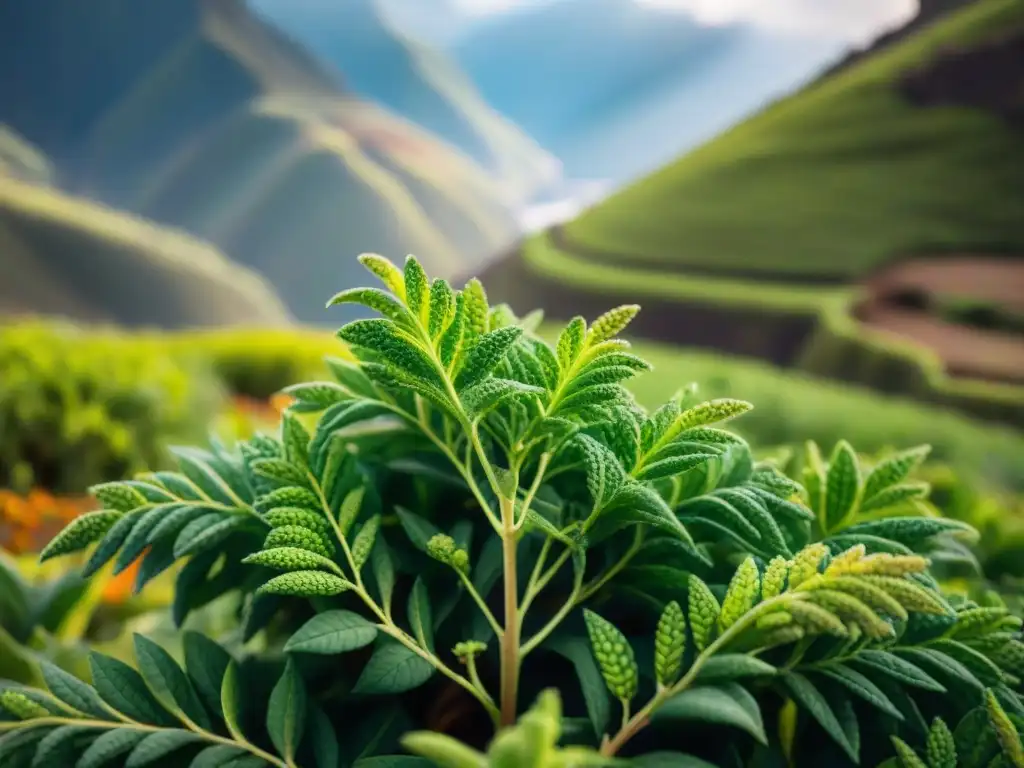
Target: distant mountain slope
[(379, 61), (615, 88), (69, 257), (197, 114), (774, 239)]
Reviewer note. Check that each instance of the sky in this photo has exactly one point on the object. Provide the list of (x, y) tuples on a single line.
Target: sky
[(852, 21)]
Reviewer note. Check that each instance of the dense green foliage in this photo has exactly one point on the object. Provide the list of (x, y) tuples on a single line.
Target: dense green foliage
[(478, 520), (80, 407)]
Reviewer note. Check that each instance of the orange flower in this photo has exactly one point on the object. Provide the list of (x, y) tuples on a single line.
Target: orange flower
[(280, 402), (119, 588)]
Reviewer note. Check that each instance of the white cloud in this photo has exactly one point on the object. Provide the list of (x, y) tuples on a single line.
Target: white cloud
[(487, 7), (853, 21)]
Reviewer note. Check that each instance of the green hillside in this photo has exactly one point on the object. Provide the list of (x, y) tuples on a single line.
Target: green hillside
[(835, 180), (70, 257), (202, 117), (754, 244)]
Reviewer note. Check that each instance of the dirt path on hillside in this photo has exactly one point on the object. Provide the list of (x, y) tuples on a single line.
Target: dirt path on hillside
[(966, 351)]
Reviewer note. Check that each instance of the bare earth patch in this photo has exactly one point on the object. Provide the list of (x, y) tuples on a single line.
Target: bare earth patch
[(966, 351)]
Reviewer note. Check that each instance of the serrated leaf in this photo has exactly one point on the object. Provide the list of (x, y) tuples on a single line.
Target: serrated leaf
[(807, 695), (897, 494), (206, 663), (894, 470), (286, 712), (123, 688), (484, 354), (910, 531), (159, 745), (72, 691), (332, 632), (108, 746), (374, 299), (726, 704), (282, 472), (392, 346), (393, 668), (168, 682)]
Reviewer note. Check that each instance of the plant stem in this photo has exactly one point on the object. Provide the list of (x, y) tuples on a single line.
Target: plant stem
[(640, 720), (510, 637), (498, 631)]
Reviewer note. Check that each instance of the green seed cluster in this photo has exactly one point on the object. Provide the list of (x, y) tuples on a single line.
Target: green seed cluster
[(806, 563), (742, 594), (1006, 733), (81, 532), (703, 610), (363, 542), (468, 649), (304, 518), (911, 596), (300, 538), (774, 581), (669, 644), (288, 559), (815, 620), (306, 584), (289, 496), (612, 322), (905, 755), (941, 748), (21, 706), (442, 548), (614, 656)]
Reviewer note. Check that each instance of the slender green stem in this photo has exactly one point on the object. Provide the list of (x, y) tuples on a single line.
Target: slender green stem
[(542, 465), (535, 575), (481, 604), (640, 720), (43, 722), (475, 677), (572, 601), (510, 638), (604, 578)]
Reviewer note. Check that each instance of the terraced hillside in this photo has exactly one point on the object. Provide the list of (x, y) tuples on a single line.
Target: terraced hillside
[(196, 114), (66, 256), (759, 242)]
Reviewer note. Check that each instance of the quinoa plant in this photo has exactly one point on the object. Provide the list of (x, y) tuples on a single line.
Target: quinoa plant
[(473, 548)]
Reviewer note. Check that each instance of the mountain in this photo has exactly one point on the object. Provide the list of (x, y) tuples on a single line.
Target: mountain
[(377, 59), (614, 88), (868, 227), (72, 258), (198, 115)]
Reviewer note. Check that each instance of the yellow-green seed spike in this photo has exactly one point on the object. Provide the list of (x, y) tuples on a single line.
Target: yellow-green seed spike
[(806, 563), (1006, 733), (851, 609), (742, 594), (364, 540), (611, 323), (774, 620), (669, 644), (874, 597), (774, 580), (911, 596), (816, 620), (306, 584), (885, 564), (702, 612), (843, 562), (614, 656)]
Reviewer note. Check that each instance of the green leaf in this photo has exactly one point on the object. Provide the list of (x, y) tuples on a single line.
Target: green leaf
[(374, 298), (806, 694), (733, 666), (570, 343), (605, 476), (393, 668), (595, 694), (111, 542), (220, 756), (393, 347), (231, 701), (418, 529), (894, 470), (72, 691), (842, 484), (158, 745), (420, 618), (898, 669), (116, 495), (286, 712), (168, 682), (138, 539), (484, 354), (447, 752), (910, 531), (325, 740), (898, 494), (332, 632), (668, 760), (296, 441), (80, 533), (62, 746), (393, 761), (206, 663), (861, 686), (383, 570), (123, 688), (280, 471), (727, 704), (206, 532), (108, 746)]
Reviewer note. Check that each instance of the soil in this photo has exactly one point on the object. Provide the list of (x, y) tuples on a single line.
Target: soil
[(898, 304)]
